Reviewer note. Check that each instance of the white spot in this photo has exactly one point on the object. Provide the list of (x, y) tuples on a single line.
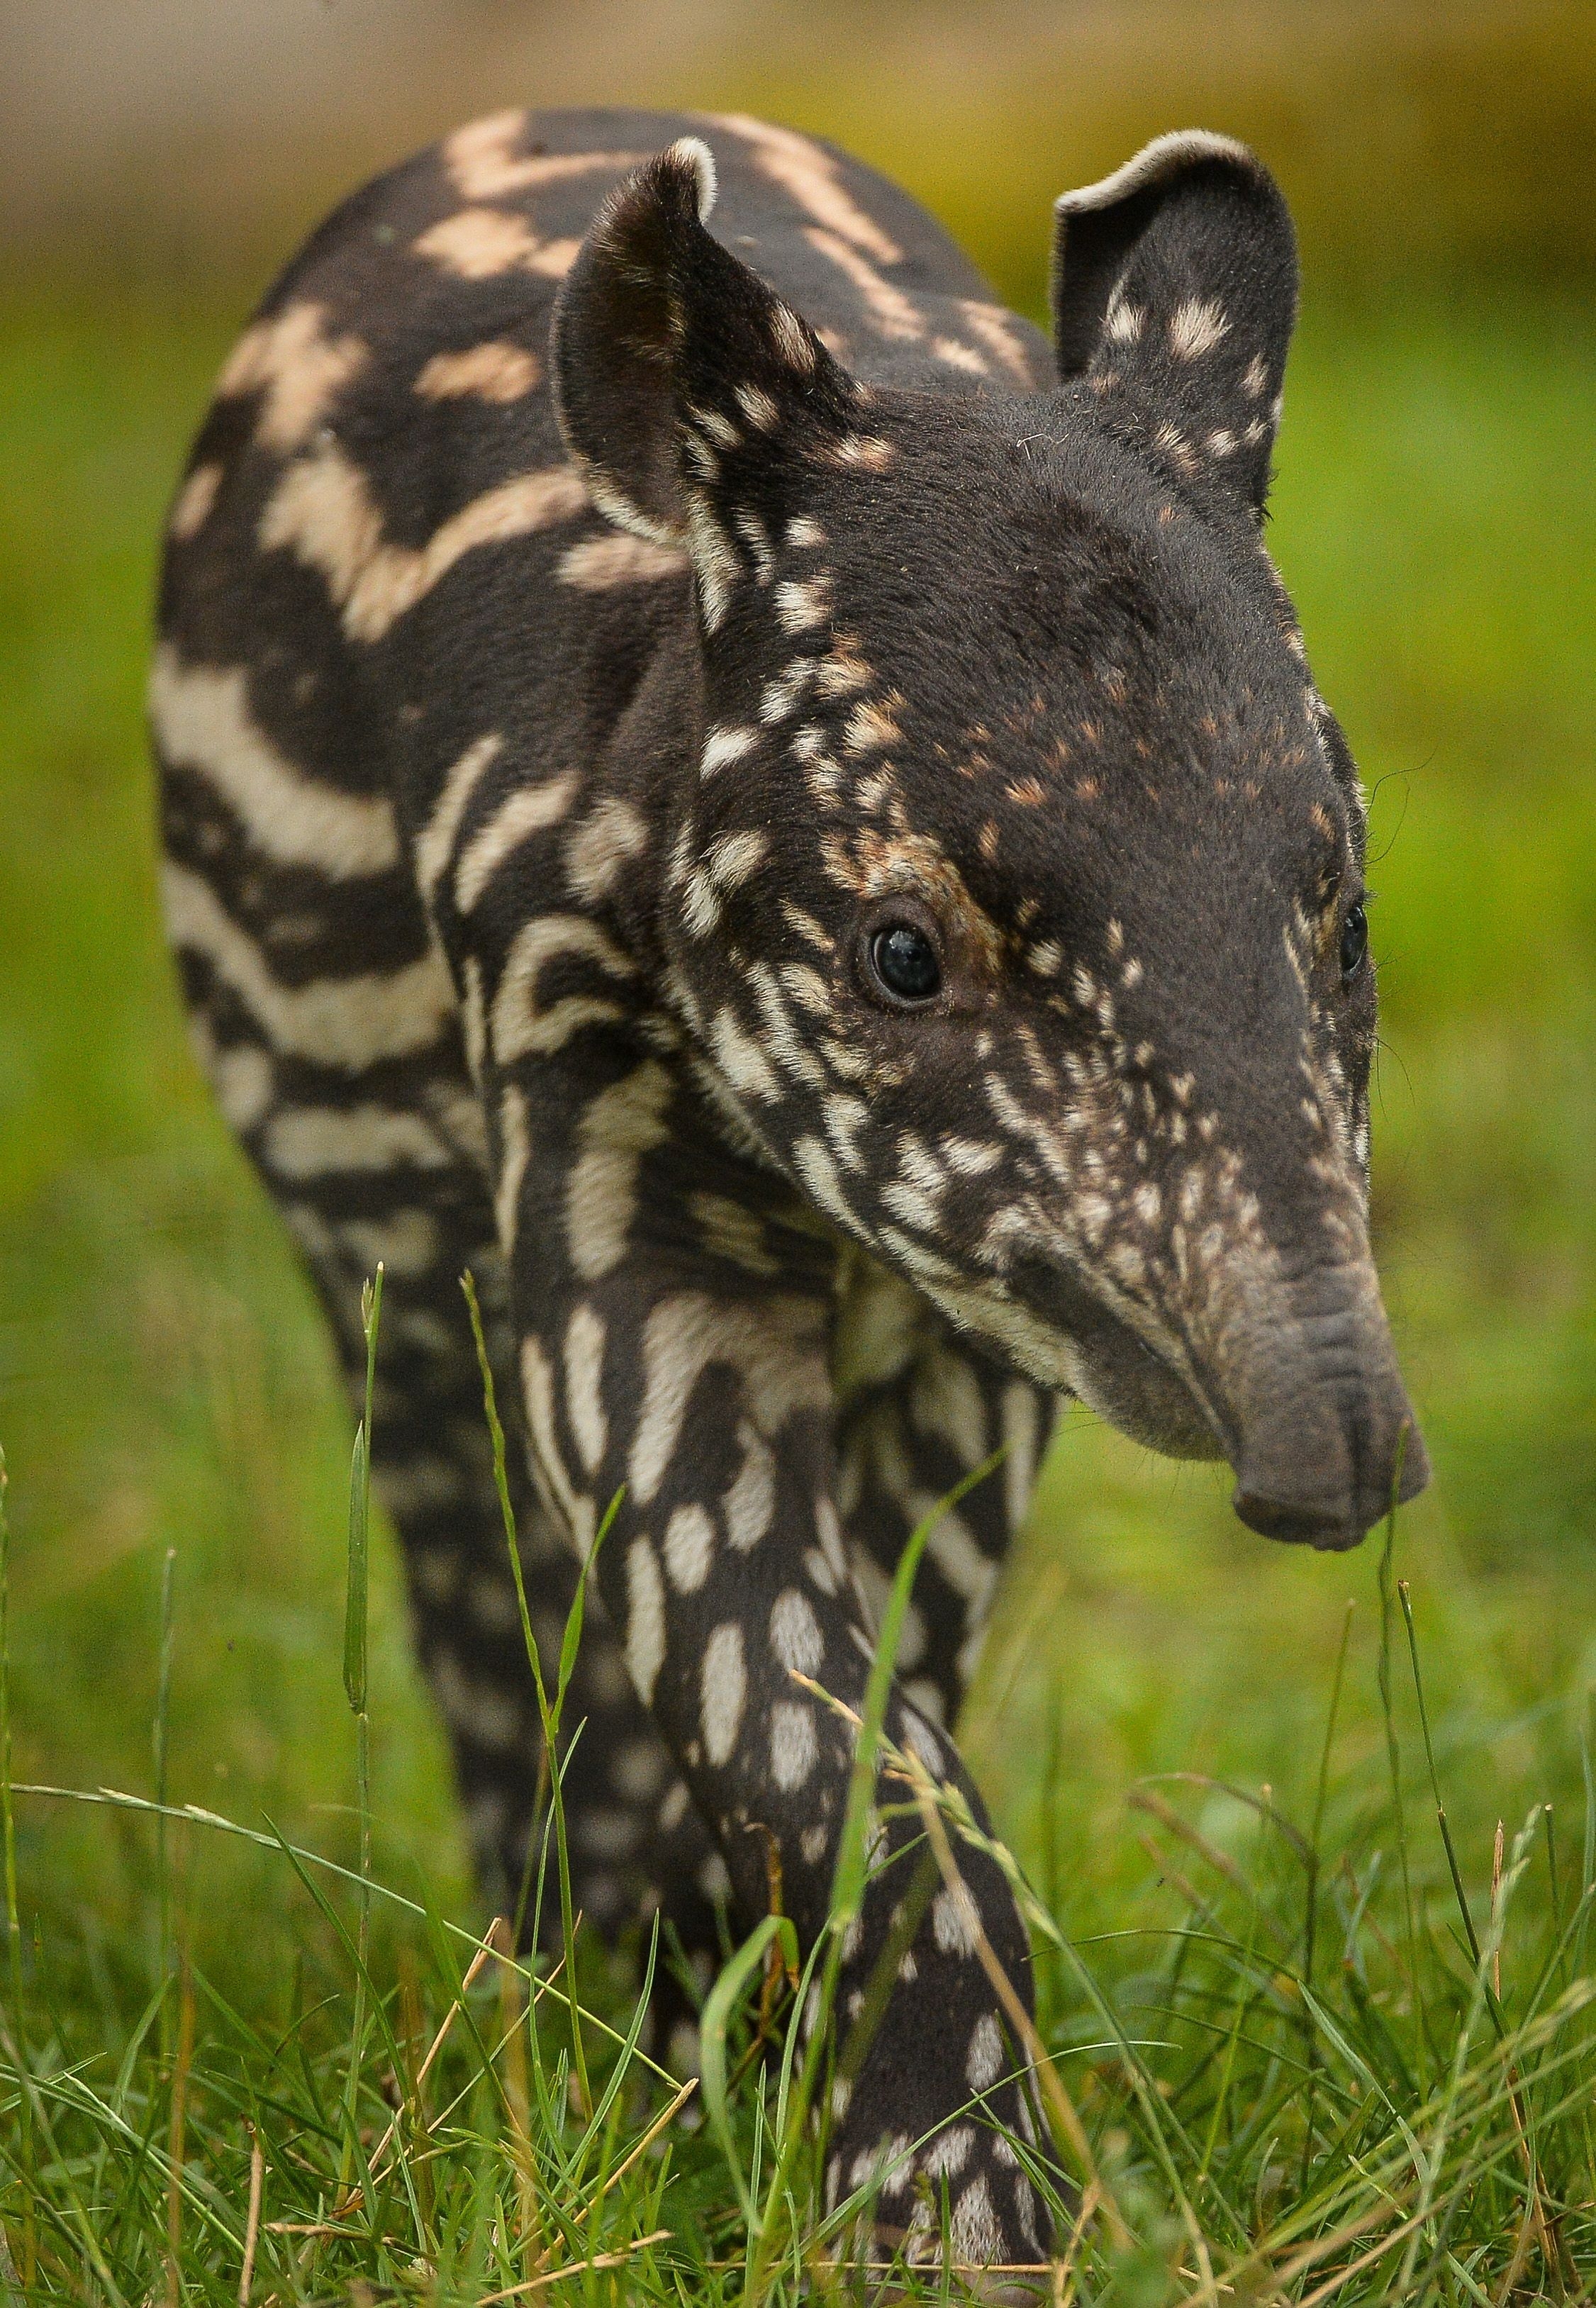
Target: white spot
[(701, 903), (599, 845), (435, 845), (725, 745), (887, 307), (734, 856), (808, 173), (585, 1377), (722, 1689), (515, 1149), (750, 1500), (714, 564), (794, 1748), (775, 1346), (495, 371), (803, 603), (617, 1128), (783, 694), (973, 2232), (741, 1060), (717, 425), (794, 1632), (645, 1618), (297, 368), (1123, 322), (714, 1881), (954, 1921), (949, 2152), (983, 2062), (1195, 327), (958, 355), (491, 1718), (194, 499), (758, 407), (478, 244), (819, 1173), (921, 1741), (689, 1543), (756, 538), (521, 1029)]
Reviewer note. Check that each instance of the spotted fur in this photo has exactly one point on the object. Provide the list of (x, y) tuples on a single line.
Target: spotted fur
[(583, 632)]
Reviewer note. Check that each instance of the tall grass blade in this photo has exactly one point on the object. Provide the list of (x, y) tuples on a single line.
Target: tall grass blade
[(721, 2002), (549, 1715), (13, 1925), (159, 1737), (1405, 1596), (1395, 1766), (356, 1613)]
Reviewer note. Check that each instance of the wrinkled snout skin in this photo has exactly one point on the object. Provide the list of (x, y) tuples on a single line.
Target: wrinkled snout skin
[(1300, 1392), (1326, 1444)]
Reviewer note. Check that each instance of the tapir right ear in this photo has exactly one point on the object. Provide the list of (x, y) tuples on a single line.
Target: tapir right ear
[(1175, 286), (680, 376)]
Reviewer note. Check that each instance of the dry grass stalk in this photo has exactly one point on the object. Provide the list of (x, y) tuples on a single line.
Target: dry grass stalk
[(252, 2224), (175, 2142), (576, 2268)]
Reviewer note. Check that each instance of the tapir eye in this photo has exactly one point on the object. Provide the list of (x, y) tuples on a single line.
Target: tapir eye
[(1354, 940), (905, 961)]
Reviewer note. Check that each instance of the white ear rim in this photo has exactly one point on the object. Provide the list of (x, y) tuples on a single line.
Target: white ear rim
[(1179, 149), (693, 153)]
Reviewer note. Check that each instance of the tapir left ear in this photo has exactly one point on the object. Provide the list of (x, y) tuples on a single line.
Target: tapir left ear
[(1175, 288), (684, 384)]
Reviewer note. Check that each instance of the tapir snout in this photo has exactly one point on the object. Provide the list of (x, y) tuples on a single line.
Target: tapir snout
[(1323, 1439)]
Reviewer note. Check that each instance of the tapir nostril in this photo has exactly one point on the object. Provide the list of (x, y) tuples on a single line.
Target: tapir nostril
[(1320, 1484)]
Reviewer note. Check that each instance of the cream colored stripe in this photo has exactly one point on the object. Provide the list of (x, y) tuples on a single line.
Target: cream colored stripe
[(482, 160), (324, 511), (596, 564), (349, 1023), (435, 845), (519, 1029), (202, 720), (525, 813), (809, 174), (308, 1140), (887, 307)]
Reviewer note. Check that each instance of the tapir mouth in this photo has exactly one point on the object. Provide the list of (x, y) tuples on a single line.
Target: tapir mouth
[(1300, 1392)]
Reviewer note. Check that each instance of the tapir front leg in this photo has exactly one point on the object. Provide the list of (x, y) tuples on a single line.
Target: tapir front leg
[(676, 1322), (921, 1407)]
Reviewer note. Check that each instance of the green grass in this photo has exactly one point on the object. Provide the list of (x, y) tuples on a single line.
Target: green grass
[(164, 1384)]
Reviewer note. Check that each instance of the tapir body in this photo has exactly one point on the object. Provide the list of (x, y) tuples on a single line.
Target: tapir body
[(716, 780)]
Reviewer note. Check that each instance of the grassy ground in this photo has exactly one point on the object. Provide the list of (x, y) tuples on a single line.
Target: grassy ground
[(164, 1386)]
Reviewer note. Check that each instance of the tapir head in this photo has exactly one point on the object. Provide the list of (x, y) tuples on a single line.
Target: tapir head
[(1017, 909)]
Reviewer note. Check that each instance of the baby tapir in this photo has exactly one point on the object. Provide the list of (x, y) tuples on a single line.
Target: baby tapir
[(716, 779)]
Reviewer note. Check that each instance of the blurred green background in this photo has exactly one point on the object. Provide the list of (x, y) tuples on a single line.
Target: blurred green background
[(164, 1382)]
